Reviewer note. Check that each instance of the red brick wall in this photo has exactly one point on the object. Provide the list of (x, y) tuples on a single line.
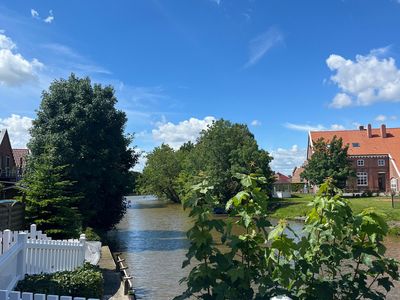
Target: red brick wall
[(371, 167), (6, 150)]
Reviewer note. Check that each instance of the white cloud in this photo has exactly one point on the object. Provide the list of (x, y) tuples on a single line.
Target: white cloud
[(286, 159), (176, 135), (307, 127), (218, 2), (380, 118), (34, 13), (255, 123), (50, 18), (383, 118), (366, 80), (6, 42), (341, 100), (18, 129), (14, 68), (261, 44)]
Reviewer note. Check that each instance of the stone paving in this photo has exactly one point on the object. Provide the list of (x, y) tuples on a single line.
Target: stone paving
[(113, 289)]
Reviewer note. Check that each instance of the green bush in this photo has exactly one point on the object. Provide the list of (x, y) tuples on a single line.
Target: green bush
[(91, 235), (86, 281)]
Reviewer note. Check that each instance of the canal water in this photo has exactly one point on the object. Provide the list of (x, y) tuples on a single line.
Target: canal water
[(152, 239)]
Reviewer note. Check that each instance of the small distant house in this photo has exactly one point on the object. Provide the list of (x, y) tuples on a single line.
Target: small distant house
[(282, 186), (12, 165), (299, 185), (374, 154)]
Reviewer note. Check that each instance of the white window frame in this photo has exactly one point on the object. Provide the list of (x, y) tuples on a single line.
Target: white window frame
[(362, 179), (360, 163), (381, 162)]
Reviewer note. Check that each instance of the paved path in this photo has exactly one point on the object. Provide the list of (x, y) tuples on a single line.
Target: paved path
[(113, 289)]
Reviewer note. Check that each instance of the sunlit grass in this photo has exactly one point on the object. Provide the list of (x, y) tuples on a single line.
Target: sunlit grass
[(297, 206)]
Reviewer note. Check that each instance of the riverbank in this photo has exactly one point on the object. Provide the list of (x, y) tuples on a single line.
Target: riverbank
[(297, 207)]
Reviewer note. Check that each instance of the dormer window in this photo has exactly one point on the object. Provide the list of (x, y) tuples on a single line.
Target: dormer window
[(360, 163), (381, 162), (355, 145)]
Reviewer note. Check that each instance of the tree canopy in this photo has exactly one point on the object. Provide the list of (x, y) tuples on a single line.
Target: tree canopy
[(81, 123), (329, 159), (221, 151), (49, 199)]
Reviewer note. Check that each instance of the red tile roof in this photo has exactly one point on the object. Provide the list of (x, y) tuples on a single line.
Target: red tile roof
[(360, 144), (18, 154), (280, 178)]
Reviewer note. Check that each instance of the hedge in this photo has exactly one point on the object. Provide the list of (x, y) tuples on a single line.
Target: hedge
[(86, 281)]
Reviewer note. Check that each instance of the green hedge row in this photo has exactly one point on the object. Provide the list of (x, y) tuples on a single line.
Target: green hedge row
[(86, 281)]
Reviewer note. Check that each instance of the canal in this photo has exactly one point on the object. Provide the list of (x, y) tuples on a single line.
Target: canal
[(152, 239)]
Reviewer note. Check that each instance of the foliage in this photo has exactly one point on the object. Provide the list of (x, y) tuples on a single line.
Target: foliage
[(220, 152), (86, 281), (338, 255), (80, 122), (160, 173), (91, 234), (225, 149), (47, 194), (329, 159)]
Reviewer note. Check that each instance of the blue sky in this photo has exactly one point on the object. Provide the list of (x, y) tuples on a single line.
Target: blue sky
[(282, 67)]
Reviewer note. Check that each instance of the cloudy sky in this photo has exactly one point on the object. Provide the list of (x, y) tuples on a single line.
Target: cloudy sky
[(282, 67)]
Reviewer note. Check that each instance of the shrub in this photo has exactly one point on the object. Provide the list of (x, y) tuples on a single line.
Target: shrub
[(338, 255), (86, 281), (91, 235)]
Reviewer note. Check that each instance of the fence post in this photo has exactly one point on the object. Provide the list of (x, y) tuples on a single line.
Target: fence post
[(3, 295), (6, 239), (33, 231), (21, 258), (82, 241)]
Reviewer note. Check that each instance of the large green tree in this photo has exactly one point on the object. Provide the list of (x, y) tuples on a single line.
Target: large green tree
[(160, 173), (81, 123), (49, 199), (225, 149), (221, 151), (329, 159)]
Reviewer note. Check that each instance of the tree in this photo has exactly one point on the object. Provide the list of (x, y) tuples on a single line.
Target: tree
[(80, 122), (225, 149), (329, 159), (49, 199), (160, 173)]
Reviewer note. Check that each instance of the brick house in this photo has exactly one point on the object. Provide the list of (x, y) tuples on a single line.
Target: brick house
[(374, 154), (12, 161)]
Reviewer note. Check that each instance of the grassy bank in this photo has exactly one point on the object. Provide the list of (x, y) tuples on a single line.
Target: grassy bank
[(297, 206)]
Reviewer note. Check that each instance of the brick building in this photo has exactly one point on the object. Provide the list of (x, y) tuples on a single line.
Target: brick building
[(374, 153), (12, 161)]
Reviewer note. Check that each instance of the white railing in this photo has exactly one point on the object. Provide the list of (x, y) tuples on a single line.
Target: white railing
[(8, 238), (34, 253), (5, 295)]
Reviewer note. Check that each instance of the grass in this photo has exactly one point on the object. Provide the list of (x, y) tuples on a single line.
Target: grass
[(296, 206)]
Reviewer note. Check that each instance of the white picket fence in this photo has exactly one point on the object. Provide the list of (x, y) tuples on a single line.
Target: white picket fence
[(9, 238), (34, 253), (5, 295)]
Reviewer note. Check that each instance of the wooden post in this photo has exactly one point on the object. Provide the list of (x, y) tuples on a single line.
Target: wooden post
[(33, 231), (6, 239)]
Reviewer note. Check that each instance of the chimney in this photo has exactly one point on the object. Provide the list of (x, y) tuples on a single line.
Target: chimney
[(361, 127), (383, 131), (369, 131)]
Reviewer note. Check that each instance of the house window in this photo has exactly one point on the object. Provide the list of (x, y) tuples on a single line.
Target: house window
[(362, 178), (381, 162), (356, 145), (360, 163), (393, 184)]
